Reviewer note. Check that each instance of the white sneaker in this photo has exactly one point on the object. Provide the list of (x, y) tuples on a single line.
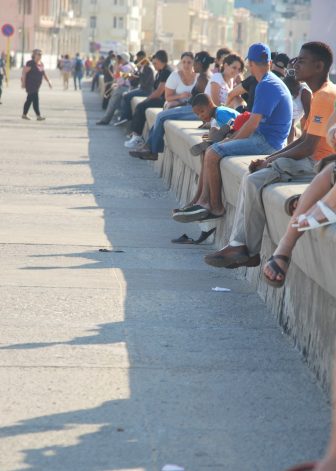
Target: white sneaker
[(134, 142)]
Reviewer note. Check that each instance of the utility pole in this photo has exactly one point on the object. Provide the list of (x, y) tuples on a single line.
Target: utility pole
[(23, 39)]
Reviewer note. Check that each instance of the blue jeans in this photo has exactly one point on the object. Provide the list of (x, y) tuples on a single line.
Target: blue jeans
[(253, 145), (125, 108), (155, 138)]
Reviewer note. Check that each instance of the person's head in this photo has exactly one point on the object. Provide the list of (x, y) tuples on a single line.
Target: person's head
[(124, 58), (66, 56), (259, 58), (139, 56), (77, 55), (232, 66), (280, 63), (202, 61), (203, 106), (313, 61), (160, 59), (36, 54), (110, 54), (187, 61), (221, 54)]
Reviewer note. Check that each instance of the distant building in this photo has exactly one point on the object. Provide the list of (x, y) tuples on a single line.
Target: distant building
[(112, 25), (51, 25), (288, 20), (248, 29), (322, 26)]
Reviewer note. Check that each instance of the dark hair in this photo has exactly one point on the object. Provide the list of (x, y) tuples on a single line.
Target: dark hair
[(161, 56), (187, 54), (222, 52), (204, 58), (321, 52), (141, 54), (231, 58), (292, 84), (201, 100)]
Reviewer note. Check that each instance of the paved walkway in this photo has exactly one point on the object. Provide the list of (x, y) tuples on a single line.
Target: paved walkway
[(126, 360)]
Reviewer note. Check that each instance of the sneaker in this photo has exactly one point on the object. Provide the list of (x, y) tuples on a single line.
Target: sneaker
[(25, 116), (122, 121), (40, 118), (134, 142)]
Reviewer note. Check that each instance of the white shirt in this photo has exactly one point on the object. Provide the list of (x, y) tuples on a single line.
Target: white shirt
[(298, 110), (174, 82), (225, 88)]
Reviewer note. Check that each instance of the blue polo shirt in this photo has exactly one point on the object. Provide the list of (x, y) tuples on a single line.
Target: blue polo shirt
[(274, 102)]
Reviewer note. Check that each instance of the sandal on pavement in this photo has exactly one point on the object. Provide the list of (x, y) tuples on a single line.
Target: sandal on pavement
[(184, 239), (304, 467), (277, 270), (329, 218), (290, 204)]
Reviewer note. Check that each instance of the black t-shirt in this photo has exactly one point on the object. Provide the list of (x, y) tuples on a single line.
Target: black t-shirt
[(162, 76), (249, 84), (34, 77)]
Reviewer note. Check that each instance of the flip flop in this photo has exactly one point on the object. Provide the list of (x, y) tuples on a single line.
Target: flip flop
[(289, 204), (184, 239), (328, 213), (278, 270)]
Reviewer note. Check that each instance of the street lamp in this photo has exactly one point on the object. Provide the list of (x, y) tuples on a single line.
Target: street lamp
[(23, 45)]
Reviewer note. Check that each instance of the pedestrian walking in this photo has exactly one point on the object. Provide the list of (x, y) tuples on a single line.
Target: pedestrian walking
[(66, 70), (32, 75), (78, 71), (2, 75)]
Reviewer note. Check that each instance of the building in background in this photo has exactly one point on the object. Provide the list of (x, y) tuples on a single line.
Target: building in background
[(248, 29), (51, 25), (288, 21), (112, 24)]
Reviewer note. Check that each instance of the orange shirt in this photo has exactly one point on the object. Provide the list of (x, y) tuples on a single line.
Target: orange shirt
[(322, 107)]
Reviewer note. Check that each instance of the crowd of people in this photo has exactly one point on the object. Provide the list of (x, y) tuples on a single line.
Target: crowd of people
[(281, 108)]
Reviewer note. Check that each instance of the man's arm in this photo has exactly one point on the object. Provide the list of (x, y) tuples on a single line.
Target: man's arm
[(302, 149), (158, 92)]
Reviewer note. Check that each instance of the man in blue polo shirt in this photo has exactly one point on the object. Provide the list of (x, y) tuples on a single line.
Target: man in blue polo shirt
[(264, 133)]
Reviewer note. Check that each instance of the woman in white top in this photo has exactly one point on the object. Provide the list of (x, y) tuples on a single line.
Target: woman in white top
[(180, 82), (222, 83), (301, 96)]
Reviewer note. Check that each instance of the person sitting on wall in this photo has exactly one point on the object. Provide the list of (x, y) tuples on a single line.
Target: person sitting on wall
[(145, 78), (121, 85), (293, 163), (155, 143), (264, 132), (154, 100)]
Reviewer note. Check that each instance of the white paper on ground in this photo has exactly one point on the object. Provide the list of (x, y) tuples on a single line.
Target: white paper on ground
[(172, 467), (224, 290)]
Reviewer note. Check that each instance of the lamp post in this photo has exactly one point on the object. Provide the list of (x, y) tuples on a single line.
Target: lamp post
[(23, 44)]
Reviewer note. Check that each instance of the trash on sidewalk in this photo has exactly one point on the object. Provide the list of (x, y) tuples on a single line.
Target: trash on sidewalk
[(112, 251), (224, 290), (172, 467)]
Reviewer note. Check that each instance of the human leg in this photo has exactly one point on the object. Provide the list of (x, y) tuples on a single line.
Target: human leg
[(139, 118), (27, 104), (125, 107), (36, 104), (1, 82)]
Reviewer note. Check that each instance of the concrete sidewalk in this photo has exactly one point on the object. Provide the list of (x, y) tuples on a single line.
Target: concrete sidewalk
[(126, 360)]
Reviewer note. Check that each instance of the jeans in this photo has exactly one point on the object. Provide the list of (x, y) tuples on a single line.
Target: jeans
[(32, 98), (155, 138), (78, 77), (253, 145), (114, 103), (125, 108), (139, 117)]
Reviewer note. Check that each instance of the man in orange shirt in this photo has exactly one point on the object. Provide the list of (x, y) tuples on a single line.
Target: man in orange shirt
[(293, 163)]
